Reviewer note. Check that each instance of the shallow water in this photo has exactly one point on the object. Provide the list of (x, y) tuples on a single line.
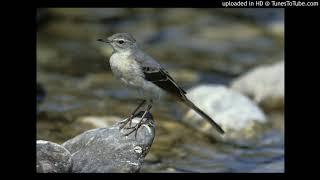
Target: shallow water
[(73, 69)]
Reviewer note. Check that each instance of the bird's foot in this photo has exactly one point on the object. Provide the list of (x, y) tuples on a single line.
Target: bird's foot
[(142, 121), (137, 125), (135, 128), (129, 119), (126, 121)]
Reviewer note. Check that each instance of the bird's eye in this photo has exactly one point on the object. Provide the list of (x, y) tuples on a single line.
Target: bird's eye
[(120, 41)]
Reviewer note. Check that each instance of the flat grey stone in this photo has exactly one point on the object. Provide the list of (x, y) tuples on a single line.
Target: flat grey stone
[(105, 150)]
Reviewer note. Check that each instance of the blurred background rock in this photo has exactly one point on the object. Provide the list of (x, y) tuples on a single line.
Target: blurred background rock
[(234, 48)]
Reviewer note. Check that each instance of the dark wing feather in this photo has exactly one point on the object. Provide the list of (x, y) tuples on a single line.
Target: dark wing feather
[(162, 79)]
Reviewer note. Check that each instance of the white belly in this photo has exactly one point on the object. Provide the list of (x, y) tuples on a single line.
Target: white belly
[(125, 69), (130, 73)]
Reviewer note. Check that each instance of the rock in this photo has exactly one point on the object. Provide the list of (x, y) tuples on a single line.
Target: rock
[(264, 84), (109, 150), (234, 112), (52, 158)]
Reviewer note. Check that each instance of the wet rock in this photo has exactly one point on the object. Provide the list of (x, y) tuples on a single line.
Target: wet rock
[(234, 112), (109, 150), (265, 84), (52, 158)]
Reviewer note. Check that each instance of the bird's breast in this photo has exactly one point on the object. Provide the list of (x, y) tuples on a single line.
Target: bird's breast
[(130, 73), (126, 69)]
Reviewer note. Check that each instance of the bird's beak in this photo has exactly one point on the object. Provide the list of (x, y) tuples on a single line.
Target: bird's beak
[(101, 40)]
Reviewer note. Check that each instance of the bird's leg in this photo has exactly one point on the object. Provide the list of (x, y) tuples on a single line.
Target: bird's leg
[(138, 125), (129, 119), (143, 115)]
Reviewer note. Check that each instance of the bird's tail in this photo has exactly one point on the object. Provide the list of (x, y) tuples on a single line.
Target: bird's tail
[(204, 115)]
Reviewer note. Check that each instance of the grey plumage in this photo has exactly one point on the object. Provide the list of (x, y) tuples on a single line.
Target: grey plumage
[(138, 70)]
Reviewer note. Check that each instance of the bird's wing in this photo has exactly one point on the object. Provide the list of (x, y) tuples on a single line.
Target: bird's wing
[(154, 73), (162, 79)]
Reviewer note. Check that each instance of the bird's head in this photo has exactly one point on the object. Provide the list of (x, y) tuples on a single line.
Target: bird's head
[(121, 42)]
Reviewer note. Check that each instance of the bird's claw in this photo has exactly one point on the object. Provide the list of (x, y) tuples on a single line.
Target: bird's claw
[(125, 122), (131, 127), (136, 128)]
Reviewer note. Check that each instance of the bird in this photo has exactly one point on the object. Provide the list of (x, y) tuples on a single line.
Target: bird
[(139, 71)]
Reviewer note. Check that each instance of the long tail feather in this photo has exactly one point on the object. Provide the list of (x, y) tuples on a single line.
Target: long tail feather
[(204, 115)]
